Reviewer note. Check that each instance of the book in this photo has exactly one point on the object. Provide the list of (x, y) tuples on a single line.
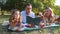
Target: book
[(35, 20)]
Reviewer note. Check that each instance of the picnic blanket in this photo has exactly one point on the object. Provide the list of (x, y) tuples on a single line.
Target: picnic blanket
[(22, 29), (26, 28), (35, 28)]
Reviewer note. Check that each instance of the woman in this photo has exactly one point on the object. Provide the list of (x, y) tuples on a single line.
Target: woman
[(15, 19), (48, 15)]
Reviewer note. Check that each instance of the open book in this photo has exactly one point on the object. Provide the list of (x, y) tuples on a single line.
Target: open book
[(35, 20)]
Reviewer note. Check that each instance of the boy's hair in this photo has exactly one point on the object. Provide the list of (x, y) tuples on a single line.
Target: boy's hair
[(29, 4)]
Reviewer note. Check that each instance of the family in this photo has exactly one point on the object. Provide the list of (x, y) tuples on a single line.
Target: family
[(18, 18)]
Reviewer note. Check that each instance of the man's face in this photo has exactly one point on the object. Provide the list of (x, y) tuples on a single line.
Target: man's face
[(28, 8)]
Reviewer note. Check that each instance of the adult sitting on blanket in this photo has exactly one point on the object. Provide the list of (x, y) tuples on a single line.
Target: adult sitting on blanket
[(27, 12), (15, 19), (48, 17)]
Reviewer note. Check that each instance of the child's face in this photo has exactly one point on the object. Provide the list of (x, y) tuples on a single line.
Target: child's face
[(40, 13), (16, 14), (47, 12)]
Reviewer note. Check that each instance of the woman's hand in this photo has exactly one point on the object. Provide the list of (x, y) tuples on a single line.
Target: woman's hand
[(18, 29)]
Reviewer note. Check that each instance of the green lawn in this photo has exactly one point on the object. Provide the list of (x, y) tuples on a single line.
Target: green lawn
[(43, 31)]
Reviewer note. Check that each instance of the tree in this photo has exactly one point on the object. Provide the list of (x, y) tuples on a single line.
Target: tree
[(38, 5)]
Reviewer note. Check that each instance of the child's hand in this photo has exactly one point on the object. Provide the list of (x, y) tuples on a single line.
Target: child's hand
[(41, 25)]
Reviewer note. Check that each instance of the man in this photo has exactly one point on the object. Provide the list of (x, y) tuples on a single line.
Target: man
[(27, 12)]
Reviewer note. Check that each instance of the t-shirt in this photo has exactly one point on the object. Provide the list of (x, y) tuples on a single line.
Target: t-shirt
[(23, 14)]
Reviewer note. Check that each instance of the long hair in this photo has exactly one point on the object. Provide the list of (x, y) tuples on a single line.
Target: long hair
[(51, 14), (12, 19)]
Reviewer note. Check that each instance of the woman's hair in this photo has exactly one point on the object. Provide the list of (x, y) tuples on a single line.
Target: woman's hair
[(14, 10), (51, 14), (11, 19)]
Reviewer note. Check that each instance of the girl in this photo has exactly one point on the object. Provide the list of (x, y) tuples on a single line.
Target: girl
[(39, 14), (15, 19), (48, 15)]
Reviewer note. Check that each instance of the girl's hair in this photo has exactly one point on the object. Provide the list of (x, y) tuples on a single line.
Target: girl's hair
[(14, 10), (12, 15), (51, 14)]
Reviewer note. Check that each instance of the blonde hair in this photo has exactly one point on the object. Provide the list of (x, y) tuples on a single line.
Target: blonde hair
[(51, 14), (51, 11)]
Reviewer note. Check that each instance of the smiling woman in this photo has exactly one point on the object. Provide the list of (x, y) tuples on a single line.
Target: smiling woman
[(57, 2)]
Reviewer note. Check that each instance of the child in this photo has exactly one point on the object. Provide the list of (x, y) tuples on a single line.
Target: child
[(42, 22), (15, 19), (39, 14)]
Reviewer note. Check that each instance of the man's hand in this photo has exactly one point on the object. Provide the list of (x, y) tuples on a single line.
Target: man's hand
[(17, 30)]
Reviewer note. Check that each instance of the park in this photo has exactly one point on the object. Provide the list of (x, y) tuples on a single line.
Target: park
[(37, 6)]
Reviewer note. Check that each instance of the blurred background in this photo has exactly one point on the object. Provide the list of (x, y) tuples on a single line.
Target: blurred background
[(7, 5)]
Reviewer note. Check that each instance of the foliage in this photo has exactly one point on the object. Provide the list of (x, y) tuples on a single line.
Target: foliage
[(37, 5)]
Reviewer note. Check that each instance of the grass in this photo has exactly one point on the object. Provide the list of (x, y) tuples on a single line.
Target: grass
[(4, 17), (6, 12), (43, 31)]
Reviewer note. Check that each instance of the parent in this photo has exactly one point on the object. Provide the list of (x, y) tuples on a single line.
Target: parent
[(27, 12)]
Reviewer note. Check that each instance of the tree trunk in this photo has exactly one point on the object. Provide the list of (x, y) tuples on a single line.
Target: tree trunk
[(2, 12)]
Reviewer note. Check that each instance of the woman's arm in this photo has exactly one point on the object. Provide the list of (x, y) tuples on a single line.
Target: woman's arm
[(52, 20), (12, 24), (20, 23)]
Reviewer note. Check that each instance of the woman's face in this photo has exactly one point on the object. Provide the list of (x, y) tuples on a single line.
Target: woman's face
[(47, 12), (16, 14)]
